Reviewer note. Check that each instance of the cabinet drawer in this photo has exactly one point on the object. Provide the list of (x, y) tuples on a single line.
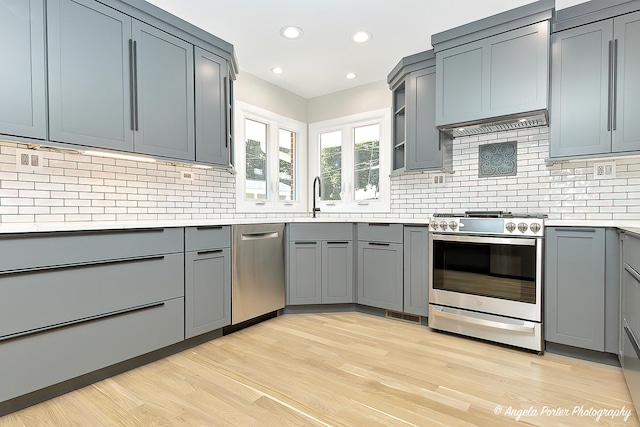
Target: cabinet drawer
[(34, 250), (332, 231), (632, 251), (207, 237), (36, 361), (380, 232), (40, 299)]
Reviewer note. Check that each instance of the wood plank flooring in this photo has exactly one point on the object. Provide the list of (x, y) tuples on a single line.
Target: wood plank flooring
[(346, 369)]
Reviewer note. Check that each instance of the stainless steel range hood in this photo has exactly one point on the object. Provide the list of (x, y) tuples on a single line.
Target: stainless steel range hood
[(498, 124)]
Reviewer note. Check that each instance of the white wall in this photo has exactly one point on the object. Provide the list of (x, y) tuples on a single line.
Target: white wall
[(260, 93), (369, 97)]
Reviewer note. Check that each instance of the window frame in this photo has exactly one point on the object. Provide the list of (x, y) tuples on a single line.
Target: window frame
[(274, 123), (347, 125)]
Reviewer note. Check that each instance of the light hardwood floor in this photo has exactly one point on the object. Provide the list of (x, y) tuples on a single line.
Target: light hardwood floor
[(344, 369)]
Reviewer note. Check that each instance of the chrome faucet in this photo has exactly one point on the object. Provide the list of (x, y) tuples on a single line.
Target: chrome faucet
[(316, 179)]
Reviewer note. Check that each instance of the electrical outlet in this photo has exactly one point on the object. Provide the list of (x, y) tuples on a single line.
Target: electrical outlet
[(439, 180), (604, 170), (186, 175), (28, 160)]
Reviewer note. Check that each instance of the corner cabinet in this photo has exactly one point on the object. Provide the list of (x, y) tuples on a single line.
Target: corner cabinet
[(207, 279), (321, 261), (596, 93), (581, 295), (417, 144), (125, 79), (22, 77), (380, 265)]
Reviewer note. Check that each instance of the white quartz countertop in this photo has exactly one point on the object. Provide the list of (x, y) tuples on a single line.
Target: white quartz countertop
[(627, 225)]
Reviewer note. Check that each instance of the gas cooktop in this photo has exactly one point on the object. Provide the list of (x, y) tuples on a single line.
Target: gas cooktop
[(489, 214)]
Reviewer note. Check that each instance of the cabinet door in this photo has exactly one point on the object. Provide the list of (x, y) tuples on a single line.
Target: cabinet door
[(212, 144), (575, 287), (89, 74), (416, 270), (305, 273), (580, 87), (459, 84), (516, 71), (626, 126), (207, 291), (22, 77), (423, 138), (380, 275), (337, 272), (165, 94)]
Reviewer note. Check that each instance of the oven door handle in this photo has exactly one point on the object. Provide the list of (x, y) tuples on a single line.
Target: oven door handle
[(527, 327), (518, 241)]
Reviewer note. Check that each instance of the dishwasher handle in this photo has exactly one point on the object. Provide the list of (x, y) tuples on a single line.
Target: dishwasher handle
[(259, 236)]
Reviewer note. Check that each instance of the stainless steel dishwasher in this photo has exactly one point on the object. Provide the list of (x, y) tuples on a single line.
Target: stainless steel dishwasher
[(258, 280)]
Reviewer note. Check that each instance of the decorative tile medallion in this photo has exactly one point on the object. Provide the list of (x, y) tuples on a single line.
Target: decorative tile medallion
[(498, 159)]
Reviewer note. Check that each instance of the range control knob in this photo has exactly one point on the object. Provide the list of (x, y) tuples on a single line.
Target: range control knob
[(523, 227), (535, 227), (453, 225), (443, 225), (434, 225), (510, 227)]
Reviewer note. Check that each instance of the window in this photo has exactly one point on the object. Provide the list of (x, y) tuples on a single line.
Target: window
[(269, 161), (350, 155)]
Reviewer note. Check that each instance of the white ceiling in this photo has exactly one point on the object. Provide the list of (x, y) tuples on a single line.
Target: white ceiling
[(317, 63)]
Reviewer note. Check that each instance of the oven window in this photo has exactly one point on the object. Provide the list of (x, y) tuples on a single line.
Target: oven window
[(486, 269)]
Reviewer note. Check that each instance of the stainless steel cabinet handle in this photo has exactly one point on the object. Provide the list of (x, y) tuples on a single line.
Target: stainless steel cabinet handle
[(337, 243), (214, 251), (632, 338), (615, 84), (306, 243), (226, 113), (378, 244), (632, 271), (259, 236), (209, 227)]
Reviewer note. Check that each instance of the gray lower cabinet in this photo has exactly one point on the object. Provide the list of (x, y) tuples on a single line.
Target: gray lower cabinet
[(76, 302), (630, 316), (416, 270), (500, 75), (212, 97), (207, 280), (595, 98), (320, 272), (581, 291), (22, 77)]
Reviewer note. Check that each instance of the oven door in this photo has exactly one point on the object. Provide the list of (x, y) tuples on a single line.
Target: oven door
[(495, 275)]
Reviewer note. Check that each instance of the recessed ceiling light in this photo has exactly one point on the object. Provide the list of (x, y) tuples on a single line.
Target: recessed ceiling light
[(277, 70), (291, 32), (361, 36), (352, 75)]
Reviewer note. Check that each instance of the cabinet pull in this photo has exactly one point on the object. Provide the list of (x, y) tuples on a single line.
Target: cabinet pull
[(610, 82), (615, 83), (226, 113), (213, 251), (378, 244), (81, 265), (209, 227), (379, 224), (135, 81), (132, 100), (576, 229), (632, 338), (306, 243), (338, 243), (83, 320), (632, 271)]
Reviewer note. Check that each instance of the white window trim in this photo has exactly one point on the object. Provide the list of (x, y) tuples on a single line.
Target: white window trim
[(274, 122), (346, 125)]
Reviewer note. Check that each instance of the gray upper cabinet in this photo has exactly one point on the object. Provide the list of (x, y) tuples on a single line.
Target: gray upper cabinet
[(582, 288), (496, 76), (416, 270), (212, 142), (22, 77), (90, 99), (596, 95), (417, 144), (164, 94)]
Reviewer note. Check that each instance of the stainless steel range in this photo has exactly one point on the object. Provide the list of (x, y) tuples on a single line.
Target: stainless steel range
[(486, 276)]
